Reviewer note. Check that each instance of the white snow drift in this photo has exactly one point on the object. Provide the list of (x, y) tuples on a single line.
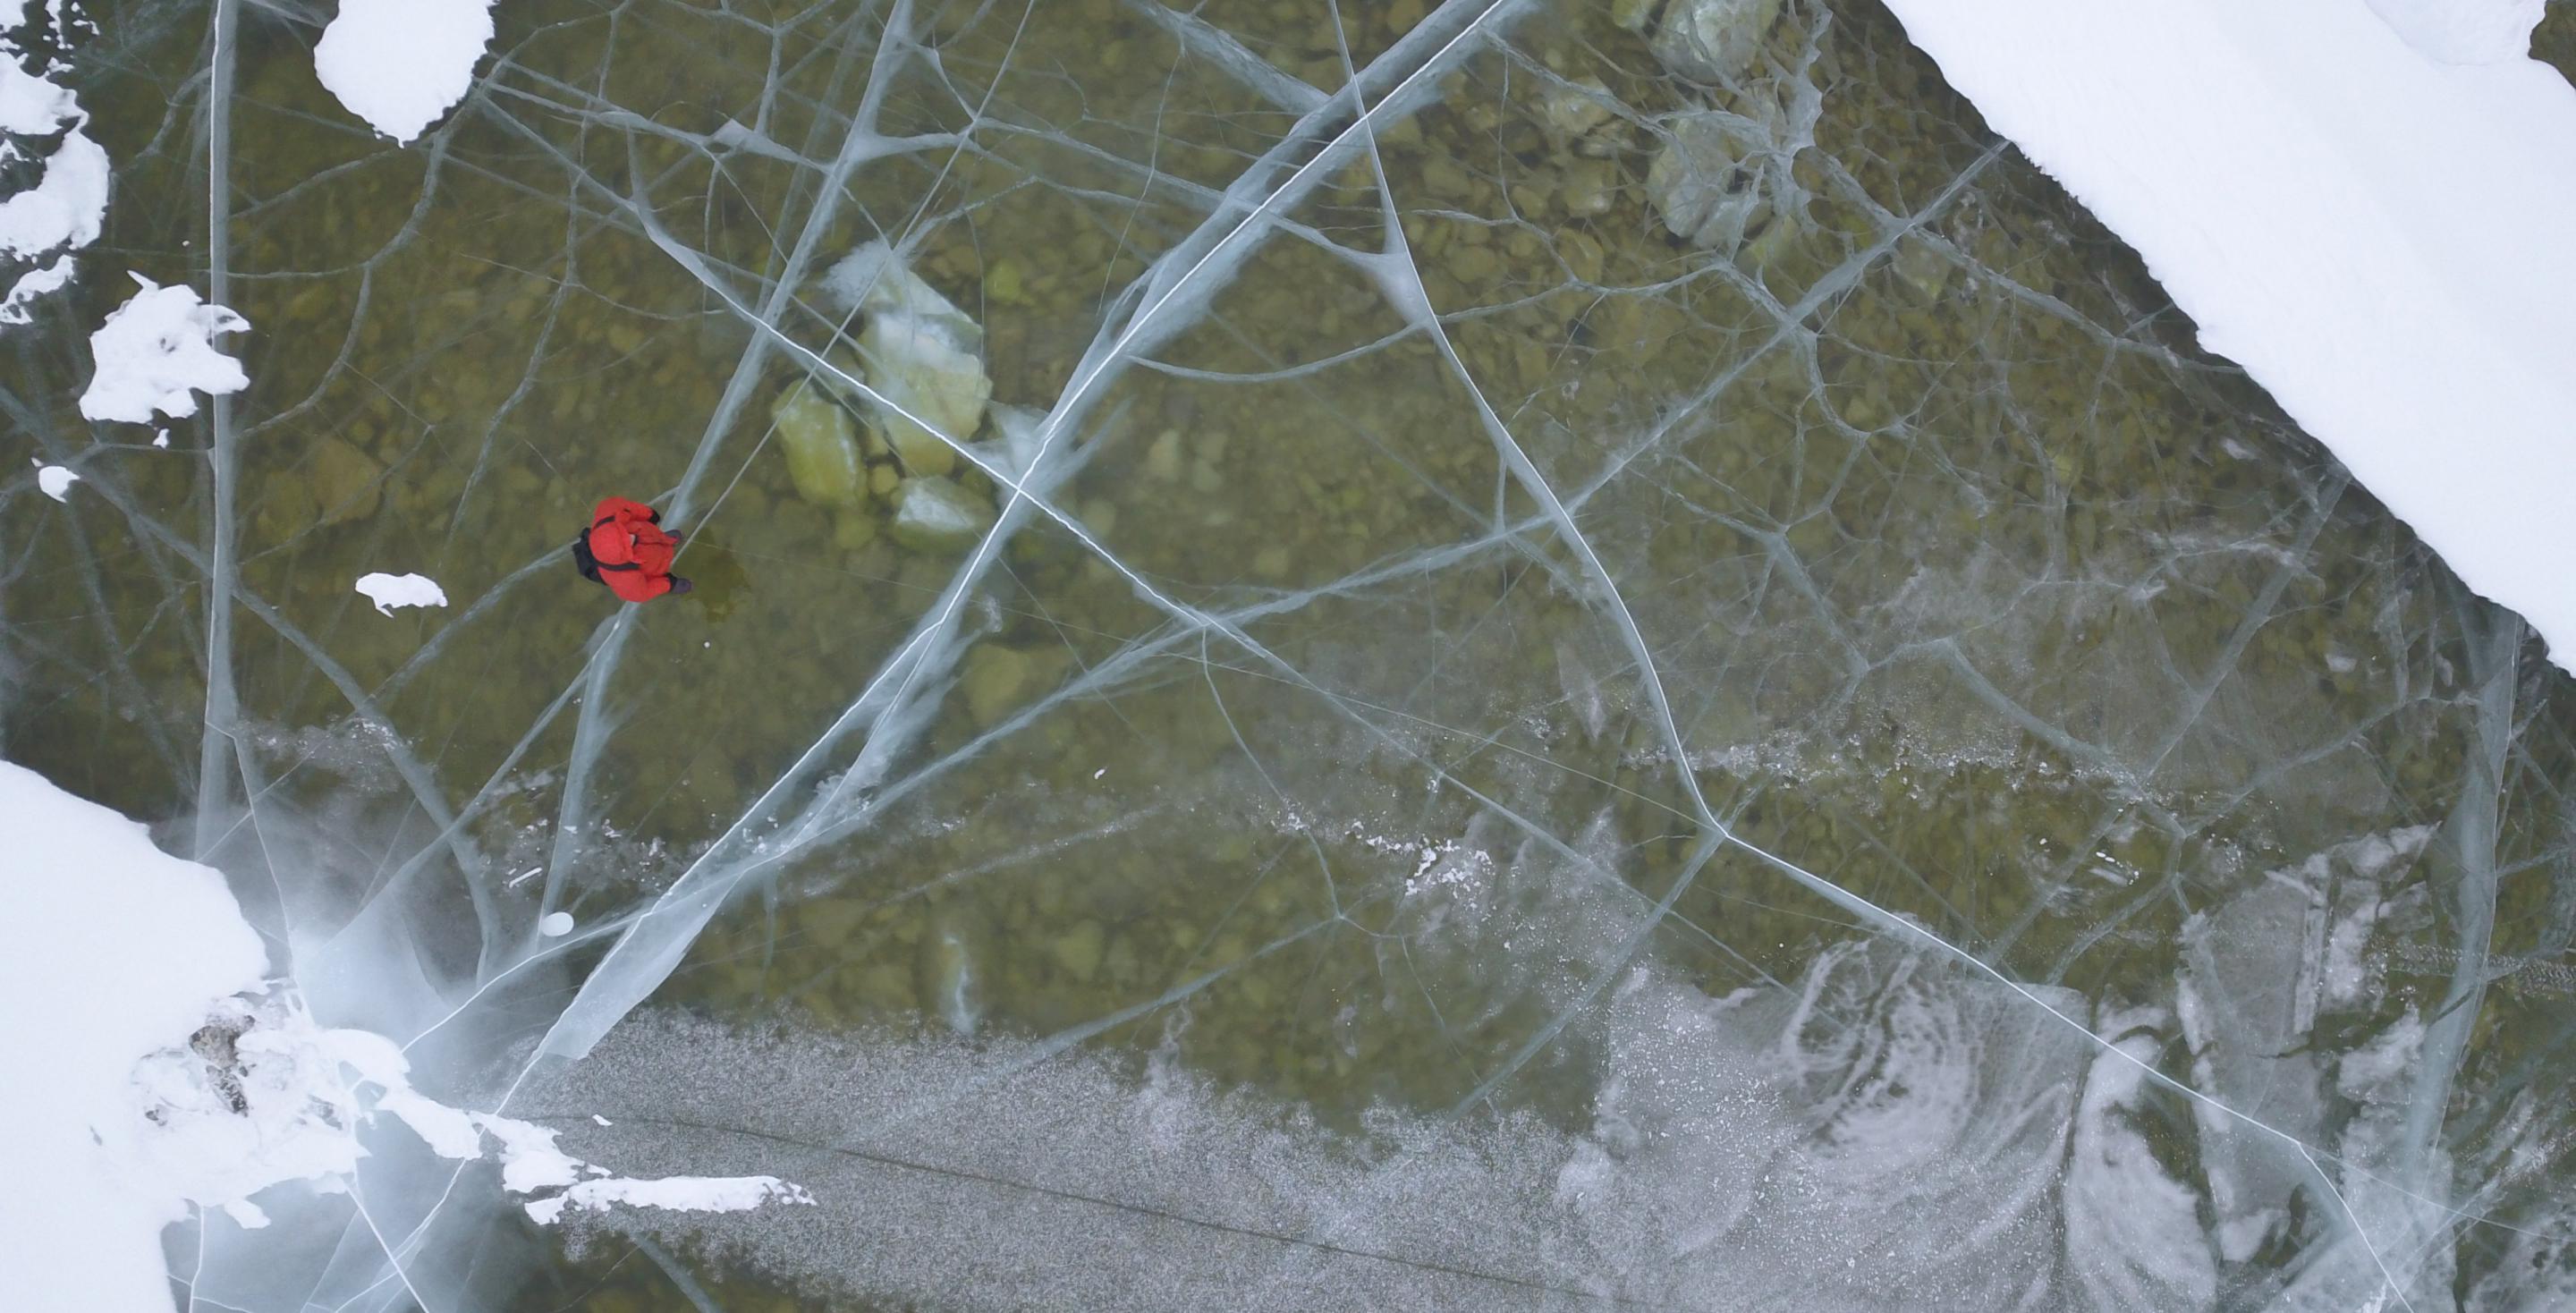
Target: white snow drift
[(2362, 203)]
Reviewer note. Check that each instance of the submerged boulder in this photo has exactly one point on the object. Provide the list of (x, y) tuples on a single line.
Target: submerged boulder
[(1713, 40), (921, 355), (930, 387), (1706, 185), (1727, 180), (822, 446), (934, 514)]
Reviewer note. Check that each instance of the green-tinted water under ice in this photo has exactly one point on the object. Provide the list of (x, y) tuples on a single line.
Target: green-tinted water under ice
[(1595, 684)]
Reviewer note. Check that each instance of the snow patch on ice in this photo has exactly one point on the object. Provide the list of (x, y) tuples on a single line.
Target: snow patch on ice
[(156, 351), (32, 284), (699, 1194), (399, 64), (62, 212), (389, 591), (55, 481), (2362, 221)]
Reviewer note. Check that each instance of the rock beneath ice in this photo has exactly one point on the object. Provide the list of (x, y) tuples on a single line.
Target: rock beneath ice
[(388, 591), (922, 356), (156, 351), (822, 446), (1706, 186), (555, 925), (933, 391), (1712, 40), (346, 481), (996, 679), (1079, 949), (1574, 110), (933, 514), (399, 64), (874, 280)]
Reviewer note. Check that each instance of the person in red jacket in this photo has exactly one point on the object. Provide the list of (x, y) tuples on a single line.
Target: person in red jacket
[(627, 549)]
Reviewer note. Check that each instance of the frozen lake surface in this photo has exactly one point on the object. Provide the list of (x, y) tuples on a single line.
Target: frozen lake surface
[(1479, 654)]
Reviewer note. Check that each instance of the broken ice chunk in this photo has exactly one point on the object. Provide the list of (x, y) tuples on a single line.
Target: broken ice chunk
[(933, 514), (822, 446)]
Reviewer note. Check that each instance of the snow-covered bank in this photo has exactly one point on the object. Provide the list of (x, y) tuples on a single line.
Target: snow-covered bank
[(110, 950), (155, 1070), (2373, 228)]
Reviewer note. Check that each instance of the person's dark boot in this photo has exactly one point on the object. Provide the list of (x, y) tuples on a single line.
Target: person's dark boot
[(680, 585)]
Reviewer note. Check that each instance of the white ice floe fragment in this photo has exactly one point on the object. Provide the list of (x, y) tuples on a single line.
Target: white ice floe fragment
[(55, 480), (399, 64), (555, 925), (161, 437), (111, 950), (595, 1117), (2355, 221), (698, 1194), (388, 591), (156, 351), (2463, 31)]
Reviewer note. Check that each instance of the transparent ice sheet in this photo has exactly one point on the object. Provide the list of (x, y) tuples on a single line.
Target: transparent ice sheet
[(1493, 755)]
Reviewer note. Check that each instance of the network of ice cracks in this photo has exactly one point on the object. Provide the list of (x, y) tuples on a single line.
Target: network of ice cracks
[(1616, 779)]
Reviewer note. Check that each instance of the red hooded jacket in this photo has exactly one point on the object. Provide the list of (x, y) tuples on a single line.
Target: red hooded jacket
[(634, 554)]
